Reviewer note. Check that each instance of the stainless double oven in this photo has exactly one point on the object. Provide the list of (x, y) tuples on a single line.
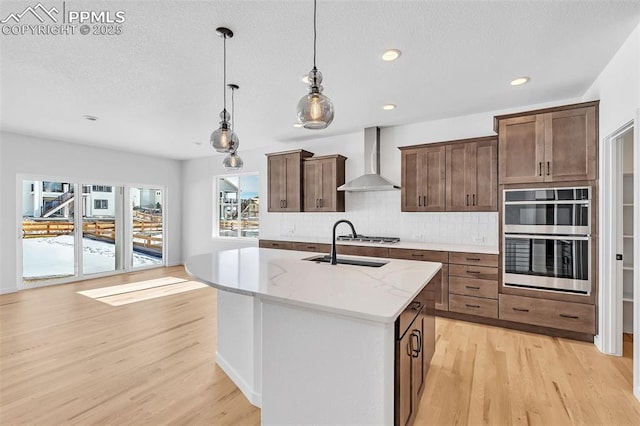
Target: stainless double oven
[(547, 239)]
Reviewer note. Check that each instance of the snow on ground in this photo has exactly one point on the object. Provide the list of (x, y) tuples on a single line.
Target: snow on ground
[(53, 257)]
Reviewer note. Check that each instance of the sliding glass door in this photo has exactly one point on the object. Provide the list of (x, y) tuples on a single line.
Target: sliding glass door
[(147, 227), (72, 230), (102, 231), (48, 231)]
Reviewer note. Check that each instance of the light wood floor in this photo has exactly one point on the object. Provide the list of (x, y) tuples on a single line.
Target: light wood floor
[(68, 359)]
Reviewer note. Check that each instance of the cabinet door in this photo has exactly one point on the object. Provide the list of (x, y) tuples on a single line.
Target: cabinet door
[(276, 171), (417, 367), (293, 187), (410, 180), (457, 170), (312, 178), (404, 399), (483, 167), (521, 149), (328, 194), (431, 186), (570, 145)]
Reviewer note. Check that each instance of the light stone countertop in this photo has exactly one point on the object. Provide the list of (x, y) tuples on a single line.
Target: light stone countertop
[(408, 244), (374, 294)]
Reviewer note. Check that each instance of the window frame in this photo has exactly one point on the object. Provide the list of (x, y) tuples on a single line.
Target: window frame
[(217, 207), (102, 202)]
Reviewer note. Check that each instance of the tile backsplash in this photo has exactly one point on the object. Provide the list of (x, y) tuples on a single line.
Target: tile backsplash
[(378, 213)]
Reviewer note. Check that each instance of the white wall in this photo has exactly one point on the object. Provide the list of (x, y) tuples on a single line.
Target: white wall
[(618, 87), (37, 156)]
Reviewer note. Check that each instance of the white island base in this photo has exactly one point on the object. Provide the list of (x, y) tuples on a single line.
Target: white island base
[(316, 347)]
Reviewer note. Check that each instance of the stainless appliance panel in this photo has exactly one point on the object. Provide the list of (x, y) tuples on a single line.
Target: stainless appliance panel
[(547, 262)]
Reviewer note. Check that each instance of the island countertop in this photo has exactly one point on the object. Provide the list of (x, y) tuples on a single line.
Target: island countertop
[(375, 294)]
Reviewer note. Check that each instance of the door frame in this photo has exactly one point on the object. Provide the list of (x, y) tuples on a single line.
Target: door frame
[(609, 339)]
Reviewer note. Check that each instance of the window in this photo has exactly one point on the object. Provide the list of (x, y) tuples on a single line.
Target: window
[(238, 211), (100, 204), (101, 188)]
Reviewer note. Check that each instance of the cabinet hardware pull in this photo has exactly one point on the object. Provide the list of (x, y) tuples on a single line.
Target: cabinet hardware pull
[(520, 309), (316, 203), (417, 254), (285, 203), (548, 167), (540, 168), (281, 204), (424, 201), (321, 203), (474, 272), (414, 352), (415, 306), (419, 200), (311, 247), (471, 306), (275, 244), (467, 203), (473, 259), (419, 340), (474, 200), (472, 287), (569, 316)]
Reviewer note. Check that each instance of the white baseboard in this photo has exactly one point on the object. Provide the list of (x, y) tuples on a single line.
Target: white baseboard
[(8, 290), (636, 392), (253, 397)]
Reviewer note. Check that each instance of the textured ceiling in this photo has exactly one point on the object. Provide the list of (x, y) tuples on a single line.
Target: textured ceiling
[(157, 87)]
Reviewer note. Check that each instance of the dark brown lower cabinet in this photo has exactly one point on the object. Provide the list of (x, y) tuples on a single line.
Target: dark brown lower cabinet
[(415, 345)]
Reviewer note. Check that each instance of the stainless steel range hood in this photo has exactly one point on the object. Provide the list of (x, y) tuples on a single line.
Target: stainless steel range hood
[(371, 179)]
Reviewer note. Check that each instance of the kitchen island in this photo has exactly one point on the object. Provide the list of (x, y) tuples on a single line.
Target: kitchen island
[(311, 342)]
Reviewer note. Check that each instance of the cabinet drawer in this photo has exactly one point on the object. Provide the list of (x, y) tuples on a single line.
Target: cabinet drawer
[(468, 271), (548, 313), (362, 251), (474, 259), (320, 248), (426, 255), (407, 316), (473, 287), (282, 245), (473, 305)]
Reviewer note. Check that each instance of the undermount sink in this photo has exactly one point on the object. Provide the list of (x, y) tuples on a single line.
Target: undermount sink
[(345, 261)]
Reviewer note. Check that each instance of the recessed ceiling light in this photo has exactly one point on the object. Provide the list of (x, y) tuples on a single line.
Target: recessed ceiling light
[(388, 107), (390, 55), (198, 143), (90, 117), (519, 81), (297, 125)]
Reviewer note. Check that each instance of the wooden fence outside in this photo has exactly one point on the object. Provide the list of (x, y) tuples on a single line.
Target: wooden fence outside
[(100, 230)]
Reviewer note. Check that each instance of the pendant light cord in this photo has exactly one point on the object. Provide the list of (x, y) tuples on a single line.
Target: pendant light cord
[(224, 75), (314, 34)]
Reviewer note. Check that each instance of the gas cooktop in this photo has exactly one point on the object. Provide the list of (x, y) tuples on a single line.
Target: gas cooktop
[(367, 239)]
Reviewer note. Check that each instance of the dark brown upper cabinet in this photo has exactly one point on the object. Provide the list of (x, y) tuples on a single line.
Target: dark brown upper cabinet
[(284, 176), (550, 145), (472, 175), (321, 178), (423, 178)]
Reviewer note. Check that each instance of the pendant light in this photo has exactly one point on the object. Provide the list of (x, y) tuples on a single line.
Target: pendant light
[(233, 162), (224, 139), (315, 110)]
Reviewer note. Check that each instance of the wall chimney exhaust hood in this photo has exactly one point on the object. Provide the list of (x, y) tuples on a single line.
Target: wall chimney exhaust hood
[(371, 179)]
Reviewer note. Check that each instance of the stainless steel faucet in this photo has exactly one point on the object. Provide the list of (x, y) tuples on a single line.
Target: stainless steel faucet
[(334, 258)]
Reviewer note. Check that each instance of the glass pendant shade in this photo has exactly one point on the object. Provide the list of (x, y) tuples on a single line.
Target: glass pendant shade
[(224, 139), (315, 110), (232, 162)]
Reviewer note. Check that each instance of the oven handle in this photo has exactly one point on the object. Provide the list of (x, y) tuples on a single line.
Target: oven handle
[(554, 202), (548, 237)]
